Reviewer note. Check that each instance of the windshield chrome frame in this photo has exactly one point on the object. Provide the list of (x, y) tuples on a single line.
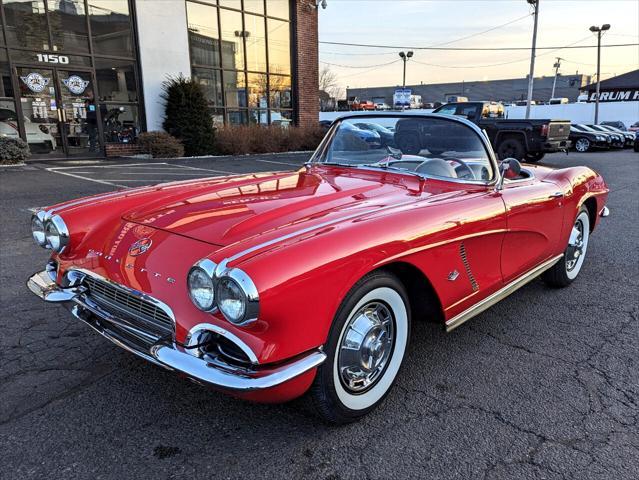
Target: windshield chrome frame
[(320, 151)]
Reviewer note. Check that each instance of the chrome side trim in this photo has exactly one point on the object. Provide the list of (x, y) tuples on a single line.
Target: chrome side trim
[(500, 294), (223, 264), (192, 339)]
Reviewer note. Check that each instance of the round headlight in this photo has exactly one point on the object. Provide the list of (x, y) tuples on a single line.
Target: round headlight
[(237, 297), (201, 288), (56, 233), (37, 230), (231, 300)]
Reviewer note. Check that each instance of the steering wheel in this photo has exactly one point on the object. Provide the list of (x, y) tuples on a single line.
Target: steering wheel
[(468, 171)]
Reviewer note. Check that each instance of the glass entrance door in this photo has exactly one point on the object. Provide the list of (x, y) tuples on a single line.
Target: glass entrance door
[(59, 112), (40, 115)]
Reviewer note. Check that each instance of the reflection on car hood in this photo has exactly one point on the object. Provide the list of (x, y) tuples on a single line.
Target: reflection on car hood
[(225, 211)]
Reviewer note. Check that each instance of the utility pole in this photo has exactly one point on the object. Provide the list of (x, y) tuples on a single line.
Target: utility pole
[(554, 82), (531, 74), (405, 57), (599, 31)]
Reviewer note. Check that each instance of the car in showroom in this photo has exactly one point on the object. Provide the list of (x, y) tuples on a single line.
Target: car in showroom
[(39, 136), (584, 139), (269, 286), (628, 136)]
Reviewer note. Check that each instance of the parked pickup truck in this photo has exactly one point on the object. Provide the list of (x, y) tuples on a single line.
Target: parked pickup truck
[(527, 140)]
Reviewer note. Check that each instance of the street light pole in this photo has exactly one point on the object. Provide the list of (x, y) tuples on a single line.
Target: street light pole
[(531, 74), (554, 82), (405, 57), (599, 31)]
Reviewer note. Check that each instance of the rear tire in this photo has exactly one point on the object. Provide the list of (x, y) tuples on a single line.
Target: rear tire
[(564, 272), (408, 143), (511, 148), (365, 349)]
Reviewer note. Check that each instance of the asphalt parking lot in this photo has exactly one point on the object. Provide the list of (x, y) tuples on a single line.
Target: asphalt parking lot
[(543, 385)]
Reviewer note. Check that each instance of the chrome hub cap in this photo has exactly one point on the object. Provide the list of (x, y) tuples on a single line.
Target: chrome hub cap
[(366, 346), (575, 245), (582, 145)]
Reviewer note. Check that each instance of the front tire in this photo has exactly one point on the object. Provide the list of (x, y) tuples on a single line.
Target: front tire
[(365, 349), (582, 145), (566, 270)]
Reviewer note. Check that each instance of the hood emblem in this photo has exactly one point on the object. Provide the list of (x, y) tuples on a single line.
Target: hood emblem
[(139, 247)]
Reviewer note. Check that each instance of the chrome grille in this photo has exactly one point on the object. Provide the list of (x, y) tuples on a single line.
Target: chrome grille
[(140, 313)]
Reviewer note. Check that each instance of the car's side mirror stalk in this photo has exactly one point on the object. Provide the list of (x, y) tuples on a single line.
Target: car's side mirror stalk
[(510, 167)]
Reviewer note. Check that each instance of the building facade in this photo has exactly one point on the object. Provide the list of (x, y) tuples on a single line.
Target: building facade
[(84, 77), (508, 90)]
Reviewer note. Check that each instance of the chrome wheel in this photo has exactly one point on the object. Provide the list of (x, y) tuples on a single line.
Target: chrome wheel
[(577, 245), (582, 145), (366, 347)]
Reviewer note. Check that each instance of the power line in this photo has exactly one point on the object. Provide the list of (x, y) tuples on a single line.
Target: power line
[(480, 33), (365, 45), (358, 66)]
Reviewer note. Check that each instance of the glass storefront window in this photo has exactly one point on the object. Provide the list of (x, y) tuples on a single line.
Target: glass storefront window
[(111, 27), (256, 83), (203, 34), (26, 24), (235, 89), (211, 83), (236, 117), (6, 87), (283, 118), (255, 43), (278, 8), (279, 47), (231, 4), (280, 91), (232, 40), (120, 122), (254, 6), (67, 19), (258, 117), (116, 80)]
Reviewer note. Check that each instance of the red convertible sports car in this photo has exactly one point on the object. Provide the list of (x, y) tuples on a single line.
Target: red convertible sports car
[(272, 285)]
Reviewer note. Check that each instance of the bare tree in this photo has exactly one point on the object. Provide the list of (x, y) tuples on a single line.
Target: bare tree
[(328, 82)]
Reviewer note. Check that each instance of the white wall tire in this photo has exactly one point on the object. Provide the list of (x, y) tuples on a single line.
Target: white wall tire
[(565, 271), (344, 389)]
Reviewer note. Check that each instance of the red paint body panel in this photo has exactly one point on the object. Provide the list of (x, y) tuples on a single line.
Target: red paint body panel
[(377, 218)]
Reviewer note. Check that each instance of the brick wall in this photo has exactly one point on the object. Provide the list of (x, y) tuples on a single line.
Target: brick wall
[(122, 149), (305, 62)]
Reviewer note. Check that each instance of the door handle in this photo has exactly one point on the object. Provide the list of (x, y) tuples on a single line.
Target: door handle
[(64, 115), (557, 195), (59, 115)]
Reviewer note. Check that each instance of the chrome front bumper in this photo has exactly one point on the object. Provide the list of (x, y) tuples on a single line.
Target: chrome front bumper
[(167, 353)]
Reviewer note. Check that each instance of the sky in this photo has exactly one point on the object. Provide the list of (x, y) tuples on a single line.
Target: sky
[(414, 23)]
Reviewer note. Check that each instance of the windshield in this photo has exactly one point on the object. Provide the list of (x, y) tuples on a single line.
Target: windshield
[(424, 146), (584, 128)]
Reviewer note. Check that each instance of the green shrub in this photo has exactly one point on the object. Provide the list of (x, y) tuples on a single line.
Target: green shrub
[(187, 115), (13, 151), (160, 145), (245, 139)]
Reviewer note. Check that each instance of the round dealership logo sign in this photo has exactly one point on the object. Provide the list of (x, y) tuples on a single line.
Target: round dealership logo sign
[(35, 82), (139, 247), (75, 84)]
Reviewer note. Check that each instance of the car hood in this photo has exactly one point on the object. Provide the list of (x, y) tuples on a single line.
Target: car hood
[(226, 211)]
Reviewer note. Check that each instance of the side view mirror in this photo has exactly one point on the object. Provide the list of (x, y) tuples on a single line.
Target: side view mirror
[(509, 168)]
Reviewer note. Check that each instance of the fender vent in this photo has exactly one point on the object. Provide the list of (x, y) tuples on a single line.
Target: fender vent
[(464, 258)]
